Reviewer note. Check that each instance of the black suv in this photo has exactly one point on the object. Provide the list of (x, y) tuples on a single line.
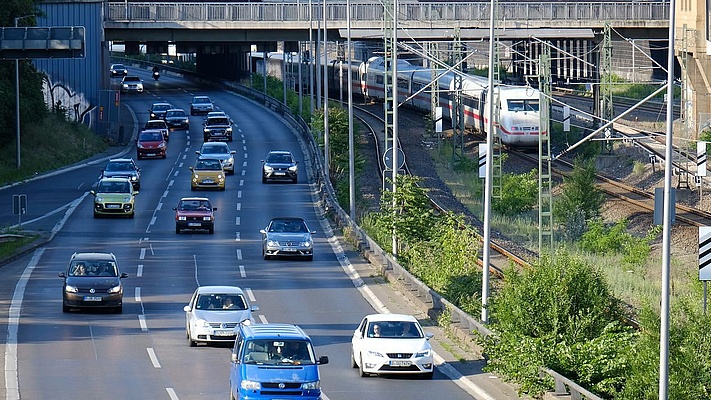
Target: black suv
[(123, 168), (279, 165), (217, 128), (92, 280)]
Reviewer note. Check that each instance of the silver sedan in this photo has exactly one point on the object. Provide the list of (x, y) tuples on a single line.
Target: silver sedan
[(289, 237)]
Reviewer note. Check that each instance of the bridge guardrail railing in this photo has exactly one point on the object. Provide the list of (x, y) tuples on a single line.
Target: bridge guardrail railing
[(463, 325), (370, 14)]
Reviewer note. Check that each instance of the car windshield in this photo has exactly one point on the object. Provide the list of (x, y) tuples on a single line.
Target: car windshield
[(161, 107), (119, 166), (114, 187), (119, 66), (131, 79), (218, 121), (288, 226), (395, 330), (215, 150), (150, 137), (155, 125), (278, 352), (220, 301), (175, 114), (279, 158), (93, 268), (208, 165), (194, 205)]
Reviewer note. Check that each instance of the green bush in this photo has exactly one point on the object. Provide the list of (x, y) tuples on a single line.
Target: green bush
[(600, 239), (519, 193), (560, 315)]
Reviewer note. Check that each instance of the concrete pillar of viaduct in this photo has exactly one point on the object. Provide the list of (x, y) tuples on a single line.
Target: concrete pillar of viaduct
[(692, 26)]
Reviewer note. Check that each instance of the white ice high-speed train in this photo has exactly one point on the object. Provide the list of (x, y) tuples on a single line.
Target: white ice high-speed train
[(518, 106)]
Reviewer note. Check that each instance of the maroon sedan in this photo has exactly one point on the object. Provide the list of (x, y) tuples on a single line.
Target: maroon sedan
[(194, 213)]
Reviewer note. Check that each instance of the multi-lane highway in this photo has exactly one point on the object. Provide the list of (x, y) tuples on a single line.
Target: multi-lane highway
[(143, 353)]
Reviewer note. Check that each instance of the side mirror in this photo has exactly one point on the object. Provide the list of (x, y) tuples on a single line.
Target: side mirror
[(254, 308), (62, 275), (429, 336), (135, 192), (234, 358), (92, 192), (233, 152), (124, 275), (262, 231), (175, 208), (312, 232), (197, 152), (214, 208), (187, 309), (190, 168), (322, 360)]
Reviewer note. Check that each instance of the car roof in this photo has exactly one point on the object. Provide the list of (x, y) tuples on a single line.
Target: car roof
[(155, 120), (117, 65), (121, 159), (215, 144), (115, 179), (391, 317), (201, 97), (162, 103), (195, 199), (134, 77), (176, 109), (219, 289), (272, 331), (213, 158), (93, 256), (287, 219)]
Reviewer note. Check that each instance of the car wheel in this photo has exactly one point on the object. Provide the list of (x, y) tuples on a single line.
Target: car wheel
[(265, 255), (191, 342), (231, 172), (211, 230), (119, 309), (164, 156), (264, 179), (360, 369), (65, 308), (131, 214), (192, 112), (96, 215), (222, 188), (177, 229), (192, 188), (428, 375), (232, 396), (294, 180), (353, 361), (310, 258)]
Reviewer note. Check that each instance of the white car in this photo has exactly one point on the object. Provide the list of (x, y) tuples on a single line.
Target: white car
[(391, 344), (221, 151), (214, 312)]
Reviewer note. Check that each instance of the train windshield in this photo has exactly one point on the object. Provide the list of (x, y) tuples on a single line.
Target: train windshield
[(522, 105)]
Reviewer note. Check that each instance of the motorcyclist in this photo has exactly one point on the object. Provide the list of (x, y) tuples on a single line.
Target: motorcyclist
[(156, 69), (156, 72)]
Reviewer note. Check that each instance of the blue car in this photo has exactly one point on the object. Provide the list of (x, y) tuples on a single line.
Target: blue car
[(274, 361)]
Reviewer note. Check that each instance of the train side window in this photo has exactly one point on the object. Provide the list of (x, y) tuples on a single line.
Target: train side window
[(379, 79)]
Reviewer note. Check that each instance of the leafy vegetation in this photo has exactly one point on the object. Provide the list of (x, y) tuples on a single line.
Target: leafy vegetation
[(600, 239), (580, 200), (561, 315)]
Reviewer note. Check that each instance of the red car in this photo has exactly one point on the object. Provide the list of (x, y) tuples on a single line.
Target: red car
[(194, 213), (151, 144)]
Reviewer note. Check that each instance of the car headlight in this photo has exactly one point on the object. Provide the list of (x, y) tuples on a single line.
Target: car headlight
[(99, 199), (228, 129), (207, 218), (293, 168), (306, 243), (373, 353), (161, 146), (182, 218), (70, 289), (249, 385), (140, 145), (115, 289), (424, 353), (206, 130), (127, 199), (133, 178), (268, 168), (311, 385), (272, 243), (125, 85), (230, 160), (202, 323)]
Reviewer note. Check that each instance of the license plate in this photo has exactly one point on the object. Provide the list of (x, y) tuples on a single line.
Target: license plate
[(92, 298), (194, 224), (224, 333), (280, 173), (398, 363), (290, 249), (113, 206), (208, 181)]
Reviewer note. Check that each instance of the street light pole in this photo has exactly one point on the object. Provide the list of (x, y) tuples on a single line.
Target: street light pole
[(17, 98)]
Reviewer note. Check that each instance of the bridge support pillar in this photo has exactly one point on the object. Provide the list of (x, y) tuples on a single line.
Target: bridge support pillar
[(693, 27)]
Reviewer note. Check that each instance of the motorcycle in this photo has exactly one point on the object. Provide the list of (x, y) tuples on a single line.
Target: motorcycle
[(156, 75)]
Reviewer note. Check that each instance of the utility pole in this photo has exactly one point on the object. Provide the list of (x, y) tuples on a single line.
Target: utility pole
[(545, 174)]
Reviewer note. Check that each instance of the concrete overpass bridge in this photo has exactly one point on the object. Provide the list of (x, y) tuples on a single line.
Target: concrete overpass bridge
[(223, 33)]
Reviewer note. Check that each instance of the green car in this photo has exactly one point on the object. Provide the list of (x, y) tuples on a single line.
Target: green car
[(114, 196)]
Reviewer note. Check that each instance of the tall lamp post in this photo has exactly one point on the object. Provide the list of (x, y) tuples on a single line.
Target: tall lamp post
[(17, 98)]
